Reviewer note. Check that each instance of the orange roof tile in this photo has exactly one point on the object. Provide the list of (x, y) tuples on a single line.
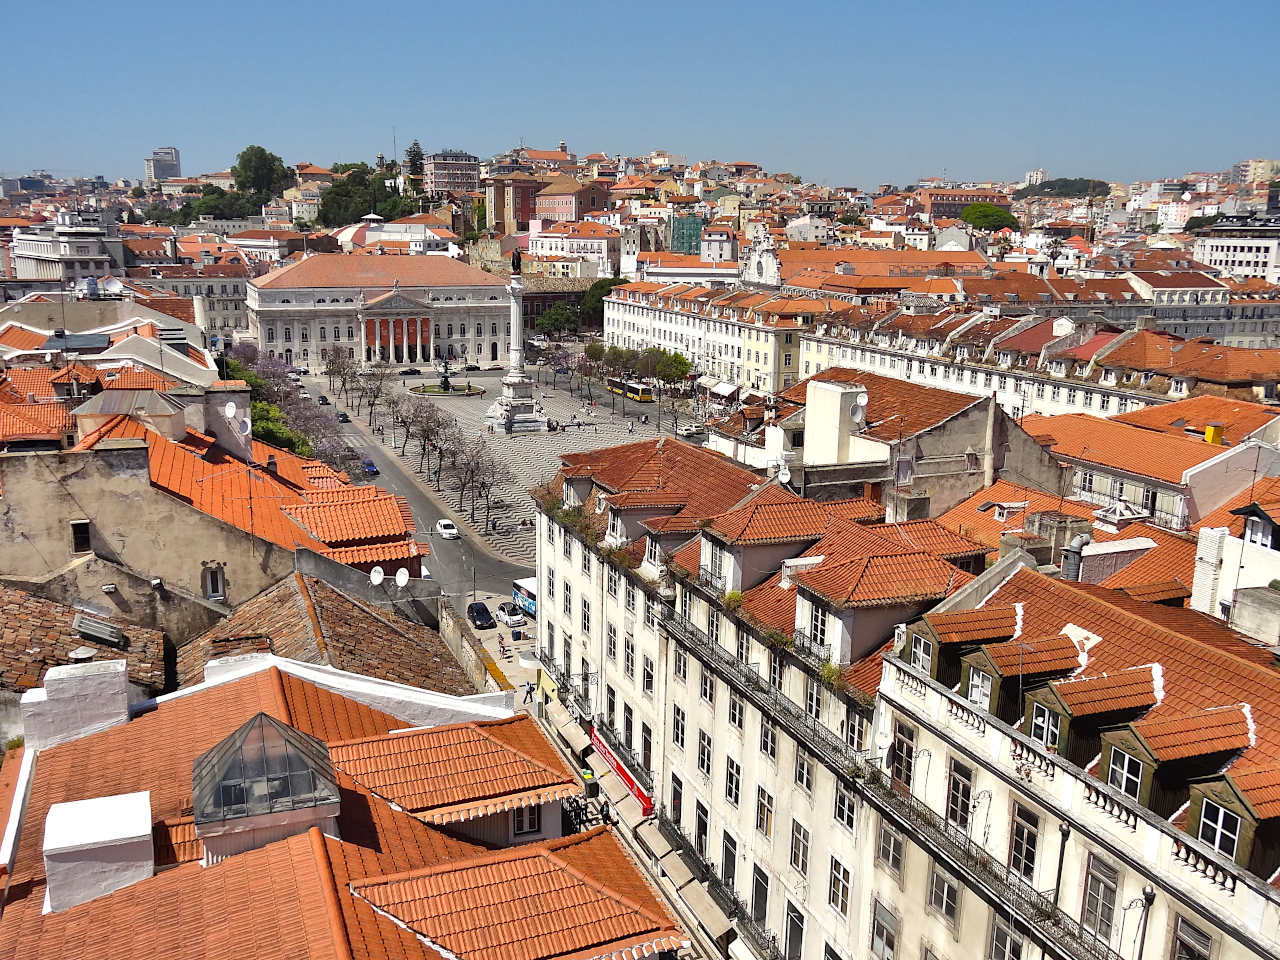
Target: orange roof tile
[(1215, 730), (458, 772), (542, 905), (884, 580), (1127, 689), (1191, 415), (975, 626), (1119, 446), (1027, 656)]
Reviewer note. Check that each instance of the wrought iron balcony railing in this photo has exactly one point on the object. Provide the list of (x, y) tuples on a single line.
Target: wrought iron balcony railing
[(642, 774), (811, 649), (711, 580), (1054, 930)]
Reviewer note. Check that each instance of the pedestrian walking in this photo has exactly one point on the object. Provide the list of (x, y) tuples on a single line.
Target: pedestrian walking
[(528, 691)]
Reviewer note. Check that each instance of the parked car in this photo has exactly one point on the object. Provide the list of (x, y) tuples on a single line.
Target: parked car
[(410, 372), (471, 366), (480, 616), (344, 417), (690, 430), (322, 400), (511, 615), (303, 395), (369, 467), (349, 452), (447, 530)]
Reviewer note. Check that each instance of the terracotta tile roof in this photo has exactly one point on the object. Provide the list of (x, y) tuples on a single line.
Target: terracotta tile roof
[(1157, 592), (1261, 788), (1263, 490), (707, 480), (458, 772), (36, 634), (1171, 561), (864, 675), (34, 421), (1128, 689), (877, 581), (346, 522), (1168, 355), (688, 556), (16, 337), (1085, 352), (932, 537), (1239, 418), (770, 605), (31, 381), (982, 625), (1031, 340), (130, 378), (346, 270), (895, 408), (1215, 730), (303, 618), (1119, 446), (535, 902), (775, 515), (1034, 655)]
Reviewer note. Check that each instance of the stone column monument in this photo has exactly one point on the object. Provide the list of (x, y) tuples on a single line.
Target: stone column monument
[(515, 411)]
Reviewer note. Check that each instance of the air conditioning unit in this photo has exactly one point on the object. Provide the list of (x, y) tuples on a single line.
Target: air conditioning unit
[(95, 628)]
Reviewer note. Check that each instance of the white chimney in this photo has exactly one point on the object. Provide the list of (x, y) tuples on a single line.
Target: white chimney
[(76, 700), (93, 847)]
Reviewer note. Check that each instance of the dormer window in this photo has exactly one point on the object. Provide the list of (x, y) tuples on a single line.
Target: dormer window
[(1046, 726), (615, 525), (1257, 531), (1219, 828), (652, 553), (1125, 773)]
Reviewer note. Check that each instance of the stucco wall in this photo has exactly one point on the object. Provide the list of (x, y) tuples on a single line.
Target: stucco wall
[(132, 523), (482, 670)]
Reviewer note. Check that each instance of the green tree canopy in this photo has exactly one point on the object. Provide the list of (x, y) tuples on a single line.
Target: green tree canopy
[(258, 171), (592, 307), (338, 168), (1065, 187), (362, 191), (414, 159), (137, 193), (1196, 223), (673, 367), (594, 351), (556, 321), (987, 216)]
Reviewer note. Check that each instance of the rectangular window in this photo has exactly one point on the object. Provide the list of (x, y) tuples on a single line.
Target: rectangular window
[(838, 887), (680, 662), (628, 725), (759, 895), (701, 828), (777, 669), (804, 770), (744, 645), (768, 738), (629, 656), (736, 711), (611, 641), (845, 811), (799, 848), (817, 624), (959, 795), (1190, 942), (677, 725), (944, 893), (614, 530), (764, 812), (732, 780), (568, 598), (1219, 827), (568, 546), (646, 677), (526, 820), (1045, 726), (922, 653), (979, 688), (889, 848), (1125, 773), (650, 613), (704, 753), (631, 597), (1005, 944), (707, 686), (612, 582), (903, 753), (1100, 885), (813, 698), (586, 561), (1022, 844), (586, 616), (729, 861), (884, 933), (80, 536), (610, 703)]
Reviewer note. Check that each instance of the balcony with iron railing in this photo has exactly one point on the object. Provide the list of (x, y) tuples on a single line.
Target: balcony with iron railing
[(808, 648), (553, 669), (1057, 932), (642, 774), (712, 581)]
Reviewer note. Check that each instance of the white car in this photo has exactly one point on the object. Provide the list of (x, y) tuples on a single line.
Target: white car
[(303, 395), (447, 530), (690, 430), (510, 614)]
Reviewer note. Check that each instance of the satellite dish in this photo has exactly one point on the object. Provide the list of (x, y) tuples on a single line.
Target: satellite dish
[(245, 426), (784, 475), (376, 576), (229, 409), (402, 577), (1186, 195)]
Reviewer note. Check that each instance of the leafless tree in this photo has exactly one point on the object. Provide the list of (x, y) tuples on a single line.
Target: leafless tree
[(375, 380), (492, 473), (449, 448), (425, 426)]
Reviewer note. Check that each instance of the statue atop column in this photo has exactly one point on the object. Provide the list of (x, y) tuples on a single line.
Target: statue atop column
[(515, 411), (515, 262)]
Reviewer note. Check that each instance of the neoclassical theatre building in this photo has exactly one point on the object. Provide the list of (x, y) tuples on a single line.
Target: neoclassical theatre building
[(399, 309)]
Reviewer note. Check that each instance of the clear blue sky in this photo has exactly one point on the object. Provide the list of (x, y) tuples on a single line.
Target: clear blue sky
[(843, 93)]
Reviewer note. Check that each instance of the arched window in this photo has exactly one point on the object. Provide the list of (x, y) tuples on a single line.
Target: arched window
[(304, 354), (351, 333), (286, 300), (304, 334), (288, 335), (324, 354), (347, 300), (337, 333), (437, 329), (450, 328), (351, 353), (271, 335), (323, 333)]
